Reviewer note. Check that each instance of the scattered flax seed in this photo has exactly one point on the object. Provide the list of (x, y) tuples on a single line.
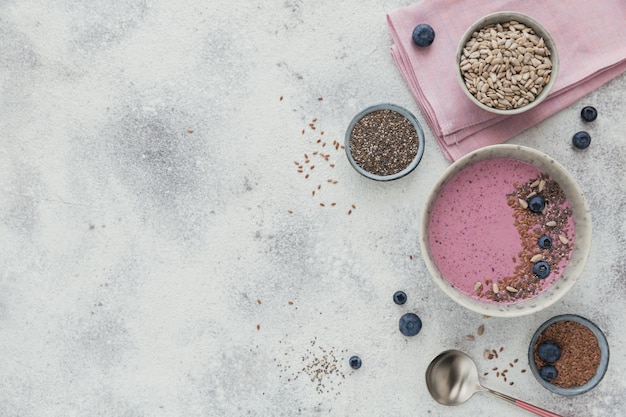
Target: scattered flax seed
[(333, 204), (290, 211), (312, 166), (258, 301), (349, 212), (258, 327), (353, 206), (290, 303), (411, 257), (306, 176), (332, 165), (481, 330), (469, 337), (501, 348), (322, 204), (280, 98), (515, 360), (523, 371), (320, 98), (495, 368), (319, 186), (314, 119), (322, 132), (486, 373), (313, 192), (511, 383), (511, 364), (189, 131), (303, 131)]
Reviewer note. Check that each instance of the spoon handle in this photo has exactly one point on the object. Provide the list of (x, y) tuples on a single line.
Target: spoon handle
[(534, 409), (521, 404)]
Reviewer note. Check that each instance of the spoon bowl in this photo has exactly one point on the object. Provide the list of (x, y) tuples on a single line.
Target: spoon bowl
[(452, 379)]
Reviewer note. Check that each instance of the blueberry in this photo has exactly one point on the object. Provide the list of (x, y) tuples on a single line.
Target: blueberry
[(589, 113), (544, 242), (423, 35), (549, 351), (536, 203), (410, 324), (355, 362), (581, 140), (548, 373), (399, 297), (541, 269)]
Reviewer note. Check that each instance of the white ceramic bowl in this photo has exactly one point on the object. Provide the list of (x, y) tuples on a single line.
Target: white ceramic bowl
[(582, 232), (502, 17)]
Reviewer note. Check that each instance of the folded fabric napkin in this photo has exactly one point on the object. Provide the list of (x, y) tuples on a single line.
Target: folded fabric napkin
[(591, 42)]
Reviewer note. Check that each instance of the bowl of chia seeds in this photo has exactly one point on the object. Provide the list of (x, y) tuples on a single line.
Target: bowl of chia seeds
[(568, 355), (384, 142)]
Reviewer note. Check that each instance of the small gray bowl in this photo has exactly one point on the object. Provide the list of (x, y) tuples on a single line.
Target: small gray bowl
[(604, 355), (501, 17), (414, 122)]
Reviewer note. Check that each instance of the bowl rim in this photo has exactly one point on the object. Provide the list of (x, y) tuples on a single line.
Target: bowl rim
[(582, 222), (405, 113), (538, 28), (602, 344)]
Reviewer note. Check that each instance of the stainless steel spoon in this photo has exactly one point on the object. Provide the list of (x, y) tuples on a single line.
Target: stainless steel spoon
[(452, 378)]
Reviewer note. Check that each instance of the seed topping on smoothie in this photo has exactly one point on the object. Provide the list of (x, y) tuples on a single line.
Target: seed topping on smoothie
[(541, 218)]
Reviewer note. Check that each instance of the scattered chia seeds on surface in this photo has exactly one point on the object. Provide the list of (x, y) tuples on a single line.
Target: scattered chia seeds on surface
[(384, 142), (580, 355)]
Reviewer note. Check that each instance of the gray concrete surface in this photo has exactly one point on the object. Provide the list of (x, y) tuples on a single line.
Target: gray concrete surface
[(149, 262)]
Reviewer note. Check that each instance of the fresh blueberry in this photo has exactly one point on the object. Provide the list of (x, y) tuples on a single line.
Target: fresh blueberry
[(549, 351), (541, 269), (544, 242), (423, 35), (536, 203), (399, 297), (410, 324), (548, 373), (581, 140), (355, 362), (589, 113)]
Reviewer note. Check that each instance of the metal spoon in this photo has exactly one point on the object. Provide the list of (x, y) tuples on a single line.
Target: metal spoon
[(452, 378)]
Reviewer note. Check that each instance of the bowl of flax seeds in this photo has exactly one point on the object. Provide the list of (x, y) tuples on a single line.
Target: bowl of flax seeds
[(384, 142), (584, 355)]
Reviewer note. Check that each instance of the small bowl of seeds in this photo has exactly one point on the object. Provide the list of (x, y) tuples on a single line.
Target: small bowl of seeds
[(568, 355), (507, 63), (384, 142)]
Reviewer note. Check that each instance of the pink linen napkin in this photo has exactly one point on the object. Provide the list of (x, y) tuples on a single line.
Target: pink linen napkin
[(590, 38)]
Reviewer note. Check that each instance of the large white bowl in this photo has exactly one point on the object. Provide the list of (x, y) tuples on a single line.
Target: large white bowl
[(582, 232)]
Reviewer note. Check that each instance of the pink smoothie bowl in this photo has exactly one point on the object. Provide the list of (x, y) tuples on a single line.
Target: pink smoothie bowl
[(562, 282)]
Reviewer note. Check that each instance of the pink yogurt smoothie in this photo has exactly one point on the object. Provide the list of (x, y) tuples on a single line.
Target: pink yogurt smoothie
[(480, 232)]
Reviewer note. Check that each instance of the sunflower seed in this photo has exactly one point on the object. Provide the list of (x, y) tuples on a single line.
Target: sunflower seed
[(551, 223), (511, 289), (478, 286), (523, 203), (495, 288), (536, 258), (563, 239)]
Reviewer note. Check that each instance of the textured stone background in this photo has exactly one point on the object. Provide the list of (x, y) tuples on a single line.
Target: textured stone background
[(147, 178)]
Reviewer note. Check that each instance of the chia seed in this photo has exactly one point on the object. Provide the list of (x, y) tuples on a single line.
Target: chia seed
[(384, 142)]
